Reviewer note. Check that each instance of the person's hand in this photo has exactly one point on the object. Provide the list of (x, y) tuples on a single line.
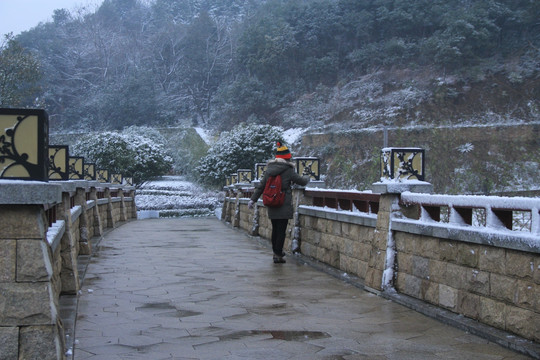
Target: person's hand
[(250, 204)]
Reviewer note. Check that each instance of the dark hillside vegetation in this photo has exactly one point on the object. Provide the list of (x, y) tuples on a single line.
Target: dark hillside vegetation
[(458, 77), (217, 63)]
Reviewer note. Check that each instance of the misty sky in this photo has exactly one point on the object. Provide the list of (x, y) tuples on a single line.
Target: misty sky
[(21, 15)]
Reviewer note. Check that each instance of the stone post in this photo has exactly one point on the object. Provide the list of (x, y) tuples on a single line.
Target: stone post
[(299, 198), (69, 244), (85, 246), (30, 326), (225, 203), (380, 272), (123, 212), (110, 208), (229, 210), (98, 226), (132, 193), (254, 231), (236, 218)]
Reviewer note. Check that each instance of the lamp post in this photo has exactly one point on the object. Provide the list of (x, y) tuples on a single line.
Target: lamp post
[(260, 170), (244, 176), (402, 169), (58, 162), (102, 175), (402, 164), (76, 168), (24, 138), (308, 166), (89, 171), (128, 181), (116, 178)]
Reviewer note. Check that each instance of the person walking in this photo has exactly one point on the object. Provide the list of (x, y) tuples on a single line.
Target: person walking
[(279, 216)]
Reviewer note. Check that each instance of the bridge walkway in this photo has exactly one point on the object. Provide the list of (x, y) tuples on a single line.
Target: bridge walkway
[(198, 289)]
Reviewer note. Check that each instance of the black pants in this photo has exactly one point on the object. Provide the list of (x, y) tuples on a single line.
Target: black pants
[(279, 228)]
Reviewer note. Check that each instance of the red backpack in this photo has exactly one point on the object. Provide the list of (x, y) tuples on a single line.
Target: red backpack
[(272, 195)]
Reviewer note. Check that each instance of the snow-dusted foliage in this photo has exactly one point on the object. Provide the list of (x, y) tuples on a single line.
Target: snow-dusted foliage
[(240, 148), (135, 152)]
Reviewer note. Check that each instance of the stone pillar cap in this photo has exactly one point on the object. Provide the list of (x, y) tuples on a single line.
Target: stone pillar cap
[(67, 185), (22, 192), (316, 184), (398, 187)]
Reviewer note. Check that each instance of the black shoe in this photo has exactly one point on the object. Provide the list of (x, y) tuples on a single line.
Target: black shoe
[(279, 260)]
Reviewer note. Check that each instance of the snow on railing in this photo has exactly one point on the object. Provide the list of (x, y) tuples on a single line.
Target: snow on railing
[(355, 201), (512, 213)]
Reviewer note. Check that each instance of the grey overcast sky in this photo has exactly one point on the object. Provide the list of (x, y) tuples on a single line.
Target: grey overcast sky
[(20, 15)]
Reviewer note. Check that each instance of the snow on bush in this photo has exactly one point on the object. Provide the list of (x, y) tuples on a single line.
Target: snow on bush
[(240, 148), (135, 152)]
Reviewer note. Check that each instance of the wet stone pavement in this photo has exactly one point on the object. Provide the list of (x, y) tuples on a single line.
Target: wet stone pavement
[(198, 289)]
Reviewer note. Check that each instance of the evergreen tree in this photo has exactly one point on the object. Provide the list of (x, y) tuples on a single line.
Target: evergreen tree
[(19, 74), (240, 148)]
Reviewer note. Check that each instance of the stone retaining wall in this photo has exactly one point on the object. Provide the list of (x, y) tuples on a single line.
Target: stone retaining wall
[(38, 262), (493, 279)]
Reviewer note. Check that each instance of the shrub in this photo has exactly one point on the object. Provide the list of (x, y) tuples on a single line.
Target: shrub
[(240, 148), (129, 153)]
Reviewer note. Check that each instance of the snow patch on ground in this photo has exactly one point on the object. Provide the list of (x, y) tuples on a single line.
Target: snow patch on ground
[(205, 135), (174, 196), (291, 136)]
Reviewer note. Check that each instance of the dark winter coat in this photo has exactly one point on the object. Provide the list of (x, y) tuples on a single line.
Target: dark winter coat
[(288, 177)]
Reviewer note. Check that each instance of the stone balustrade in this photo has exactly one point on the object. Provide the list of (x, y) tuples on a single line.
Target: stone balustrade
[(45, 228), (442, 251)]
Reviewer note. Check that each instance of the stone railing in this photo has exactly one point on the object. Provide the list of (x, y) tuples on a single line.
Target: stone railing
[(45, 228), (457, 254)]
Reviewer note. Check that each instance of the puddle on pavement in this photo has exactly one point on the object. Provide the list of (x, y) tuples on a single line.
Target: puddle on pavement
[(287, 335), (155, 306), (166, 306), (185, 230), (179, 313)]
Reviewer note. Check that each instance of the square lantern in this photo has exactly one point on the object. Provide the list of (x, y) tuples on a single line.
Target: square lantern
[(24, 139), (58, 162), (260, 170), (402, 164), (128, 181), (89, 171), (116, 178), (102, 175), (308, 166), (76, 168), (245, 176), (234, 179)]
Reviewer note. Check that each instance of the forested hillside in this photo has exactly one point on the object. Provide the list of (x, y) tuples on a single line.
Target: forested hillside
[(217, 63)]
